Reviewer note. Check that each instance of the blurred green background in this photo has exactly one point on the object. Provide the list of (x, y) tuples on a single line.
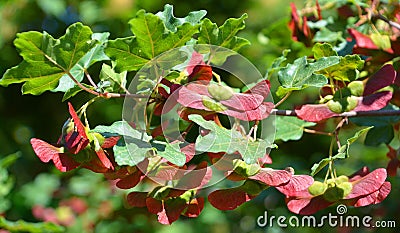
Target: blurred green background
[(24, 117)]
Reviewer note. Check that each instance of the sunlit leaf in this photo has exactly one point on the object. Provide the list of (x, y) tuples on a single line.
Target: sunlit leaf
[(47, 59), (301, 74), (290, 128), (223, 140)]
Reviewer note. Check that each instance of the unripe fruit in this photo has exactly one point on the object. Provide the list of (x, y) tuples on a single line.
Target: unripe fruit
[(213, 105), (346, 187), (317, 188), (326, 99), (351, 103), (341, 179), (220, 92), (356, 88), (335, 106)]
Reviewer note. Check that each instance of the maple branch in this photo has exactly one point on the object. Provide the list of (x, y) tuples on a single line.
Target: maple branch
[(279, 112), (90, 79), (391, 23), (283, 99)]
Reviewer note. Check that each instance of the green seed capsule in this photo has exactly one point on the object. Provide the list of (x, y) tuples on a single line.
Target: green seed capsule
[(317, 188), (335, 106), (220, 92), (213, 105), (356, 88), (351, 103), (346, 187)]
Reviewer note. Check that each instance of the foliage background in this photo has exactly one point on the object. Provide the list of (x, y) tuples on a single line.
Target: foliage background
[(24, 117)]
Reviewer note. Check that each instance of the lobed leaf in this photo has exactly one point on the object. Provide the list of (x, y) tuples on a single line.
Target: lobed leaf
[(172, 23), (290, 128), (223, 140), (301, 74), (47, 60), (150, 40)]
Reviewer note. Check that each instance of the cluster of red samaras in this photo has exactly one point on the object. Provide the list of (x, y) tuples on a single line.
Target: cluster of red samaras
[(79, 147)]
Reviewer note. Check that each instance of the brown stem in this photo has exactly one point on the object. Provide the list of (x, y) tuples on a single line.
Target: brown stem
[(90, 79), (312, 131), (283, 99), (345, 114)]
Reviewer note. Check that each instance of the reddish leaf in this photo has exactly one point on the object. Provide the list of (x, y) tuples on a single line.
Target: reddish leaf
[(154, 206), (168, 211), (196, 178), (272, 177), (201, 73), (306, 206), (110, 142), (392, 167), (194, 208), (359, 174), (95, 165), (259, 113), (368, 184), (229, 199), (47, 152), (137, 199), (296, 184), (167, 172), (76, 140), (197, 70), (314, 112), (44, 150), (243, 102), (262, 88), (362, 41), (104, 159), (243, 106), (300, 30), (375, 197), (365, 45), (382, 78), (373, 102), (130, 181)]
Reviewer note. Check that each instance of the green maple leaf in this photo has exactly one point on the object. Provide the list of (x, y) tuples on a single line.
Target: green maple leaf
[(135, 145), (223, 36), (346, 70), (47, 60), (220, 139), (302, 74), (290, 128), (151, 38), (172, 23)]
